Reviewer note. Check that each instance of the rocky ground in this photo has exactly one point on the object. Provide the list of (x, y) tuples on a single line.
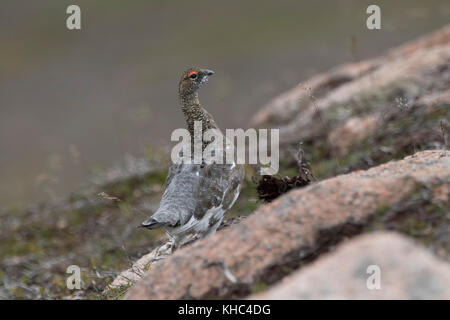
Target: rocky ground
[(410, 196), (375, 134), (407, 272)]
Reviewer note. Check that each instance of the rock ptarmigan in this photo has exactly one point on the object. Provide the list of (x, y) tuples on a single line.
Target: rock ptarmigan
[(196, 196)]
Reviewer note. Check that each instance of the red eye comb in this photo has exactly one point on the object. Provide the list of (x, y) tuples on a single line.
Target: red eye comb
[(191, 73)]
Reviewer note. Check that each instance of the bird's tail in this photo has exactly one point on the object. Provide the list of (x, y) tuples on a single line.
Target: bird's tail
[(161, 218), (152, 223)]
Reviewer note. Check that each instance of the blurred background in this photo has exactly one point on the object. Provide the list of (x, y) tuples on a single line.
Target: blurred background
[(74, 102)]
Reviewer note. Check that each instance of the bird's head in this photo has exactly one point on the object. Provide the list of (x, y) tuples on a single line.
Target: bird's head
[(193, 78)]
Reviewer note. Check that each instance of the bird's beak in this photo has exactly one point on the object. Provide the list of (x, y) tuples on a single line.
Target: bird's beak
[(208, 72)]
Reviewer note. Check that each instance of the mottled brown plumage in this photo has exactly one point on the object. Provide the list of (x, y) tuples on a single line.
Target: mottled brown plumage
[(190, 104)]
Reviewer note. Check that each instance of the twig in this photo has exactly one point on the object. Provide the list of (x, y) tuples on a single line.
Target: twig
[(104, 195)]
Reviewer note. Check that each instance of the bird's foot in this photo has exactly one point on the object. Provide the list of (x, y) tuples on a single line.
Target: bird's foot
[(166, 249), (170, 246)]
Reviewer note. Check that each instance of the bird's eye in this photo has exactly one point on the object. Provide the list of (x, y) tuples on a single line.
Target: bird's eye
[(193, 76)]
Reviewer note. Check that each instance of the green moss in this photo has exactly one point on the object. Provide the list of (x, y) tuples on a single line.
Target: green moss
[(89, 231), (125, 189), (17, 247), (418, 217), (157, 177), (288, 172), (247, 201), (258, 287), (333, 166), (114, 293), (406, 132), (381, 211)]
